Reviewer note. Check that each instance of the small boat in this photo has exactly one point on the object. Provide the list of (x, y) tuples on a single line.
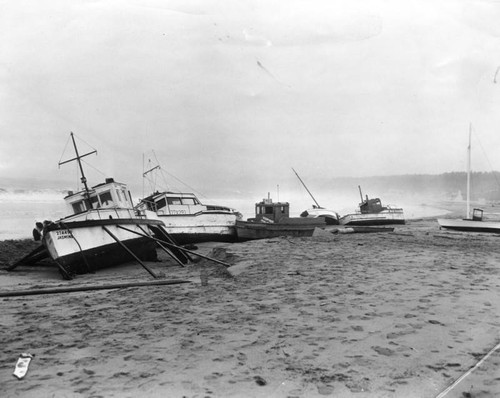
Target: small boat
[(371, 212), (186, 219), (331, 217), (101, 230), (474, 222), (272, 219)]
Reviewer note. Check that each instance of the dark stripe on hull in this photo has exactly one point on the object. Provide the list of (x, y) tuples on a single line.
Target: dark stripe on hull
[(249, 231), (109, 255), (183, 239), (474, 229), (376, 222), (331, 220), (265, 234), (61, 224)]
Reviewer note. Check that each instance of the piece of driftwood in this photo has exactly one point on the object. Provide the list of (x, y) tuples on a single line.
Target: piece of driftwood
[(59, 290), (456, 382)]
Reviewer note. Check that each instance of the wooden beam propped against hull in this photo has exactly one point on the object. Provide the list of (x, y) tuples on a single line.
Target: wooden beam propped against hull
[(130, 252), (183, 249)]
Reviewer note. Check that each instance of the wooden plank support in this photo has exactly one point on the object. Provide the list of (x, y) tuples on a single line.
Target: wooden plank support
[(169, 252), (180, 248), (162, 233), (90, 288), (130, 252), (37, 254)]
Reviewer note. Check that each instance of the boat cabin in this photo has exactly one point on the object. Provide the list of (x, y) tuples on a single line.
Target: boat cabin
[(109, 194), (173, 203), (267, 211), (477, 215), (371, 206)]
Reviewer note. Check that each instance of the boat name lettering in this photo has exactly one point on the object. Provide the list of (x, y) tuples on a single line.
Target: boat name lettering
[(178, 211), (63, 234)]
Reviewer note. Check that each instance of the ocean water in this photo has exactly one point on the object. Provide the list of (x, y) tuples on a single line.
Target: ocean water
[(20, 210)]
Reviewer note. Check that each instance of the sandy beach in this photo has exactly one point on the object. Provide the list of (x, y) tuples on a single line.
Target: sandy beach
[(401, 314)]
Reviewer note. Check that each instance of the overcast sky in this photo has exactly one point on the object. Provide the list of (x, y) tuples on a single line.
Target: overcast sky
[(238, 92)]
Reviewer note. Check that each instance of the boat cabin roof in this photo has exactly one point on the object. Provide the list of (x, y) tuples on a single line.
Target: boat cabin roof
[(155, 196)]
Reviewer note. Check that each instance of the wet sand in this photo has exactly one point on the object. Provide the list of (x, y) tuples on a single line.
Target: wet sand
[(400, 314)]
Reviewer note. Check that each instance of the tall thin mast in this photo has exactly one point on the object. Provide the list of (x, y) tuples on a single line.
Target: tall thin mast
[(83, 178), (317, 204), (468, 172)]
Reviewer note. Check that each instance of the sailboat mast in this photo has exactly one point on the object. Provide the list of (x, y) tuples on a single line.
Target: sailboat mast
[(317, 204), (468, 171)]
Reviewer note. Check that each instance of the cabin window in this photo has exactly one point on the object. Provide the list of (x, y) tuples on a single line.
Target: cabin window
[(188, 201), (174, 201), (106, 198), (161, 204), (268, 210), (94, 202), (78, 207), (118, 195)]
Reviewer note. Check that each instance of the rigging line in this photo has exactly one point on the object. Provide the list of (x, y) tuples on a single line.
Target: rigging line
[(86, 143), (64, 150), (182, 182), (95, 168), (487, 159)]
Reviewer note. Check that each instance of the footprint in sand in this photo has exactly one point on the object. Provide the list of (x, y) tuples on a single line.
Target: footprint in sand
[(383, 351)]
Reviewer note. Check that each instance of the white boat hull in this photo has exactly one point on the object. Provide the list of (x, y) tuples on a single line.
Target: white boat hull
[(470, 225), (81, 244), (204, 226), (331, 217), (385, 217)]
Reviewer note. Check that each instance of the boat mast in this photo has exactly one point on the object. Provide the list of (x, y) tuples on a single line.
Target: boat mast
[(83, 178), (317, 204), (468, 171), (360, 193)]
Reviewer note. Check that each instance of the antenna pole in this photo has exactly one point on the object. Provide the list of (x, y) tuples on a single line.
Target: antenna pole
[(317, 204), (468, 171), (360, 193)]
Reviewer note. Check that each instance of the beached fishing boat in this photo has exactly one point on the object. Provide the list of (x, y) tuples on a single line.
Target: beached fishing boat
[(272, 219), (331, 217), (474, 221), (102, 228), (371, 212), (186, 219)]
